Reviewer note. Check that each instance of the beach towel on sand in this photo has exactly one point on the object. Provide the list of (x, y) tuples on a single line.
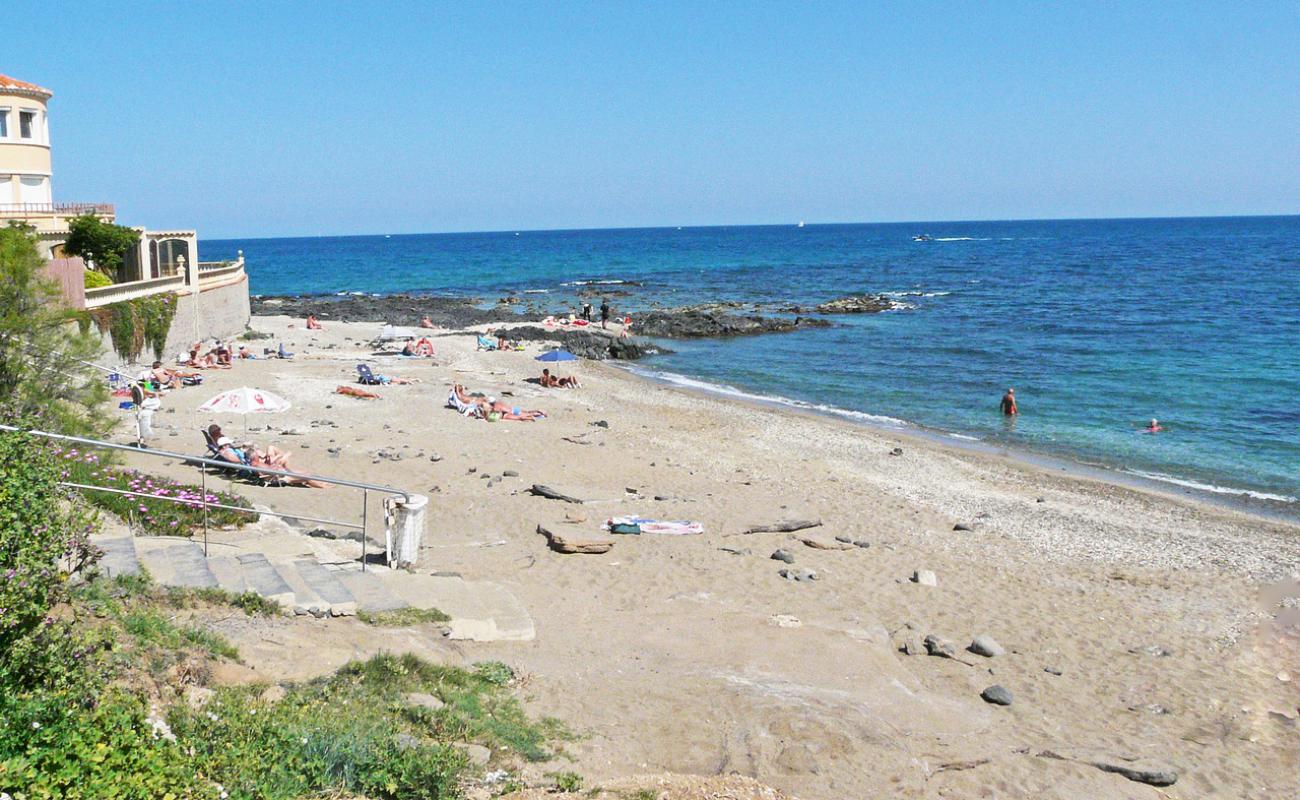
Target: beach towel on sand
[(646, 525)]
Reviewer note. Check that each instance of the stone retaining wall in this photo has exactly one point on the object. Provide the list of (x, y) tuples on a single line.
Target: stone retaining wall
[(220, 312)]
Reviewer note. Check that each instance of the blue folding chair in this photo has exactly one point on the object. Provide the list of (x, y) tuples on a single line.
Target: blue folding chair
[(367, 377)]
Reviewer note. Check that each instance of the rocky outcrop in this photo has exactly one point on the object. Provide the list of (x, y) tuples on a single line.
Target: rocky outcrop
[(857, 304), (589, 344), (709, 321)]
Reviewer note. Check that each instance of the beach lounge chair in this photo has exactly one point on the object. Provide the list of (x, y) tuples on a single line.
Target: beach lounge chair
[(484, 343), (238, 470), (367, 377), (465, 409)]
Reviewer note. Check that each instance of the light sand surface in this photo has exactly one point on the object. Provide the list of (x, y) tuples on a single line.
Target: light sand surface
[(1166, 619)]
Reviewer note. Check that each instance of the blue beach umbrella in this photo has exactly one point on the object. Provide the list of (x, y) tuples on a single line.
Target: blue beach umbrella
[(557, 355)]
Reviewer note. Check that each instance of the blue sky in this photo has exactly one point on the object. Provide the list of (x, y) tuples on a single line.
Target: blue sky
[(262, 119)]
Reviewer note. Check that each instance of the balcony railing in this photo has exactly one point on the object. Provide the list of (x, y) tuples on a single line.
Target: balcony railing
[(56, 209), (118, 292), (212, 273)]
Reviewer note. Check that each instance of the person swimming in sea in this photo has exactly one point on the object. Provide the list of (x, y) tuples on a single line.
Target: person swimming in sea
[(1154, 427), (1008, 405)]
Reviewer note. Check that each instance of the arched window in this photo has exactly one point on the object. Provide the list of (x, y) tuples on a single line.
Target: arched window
[(169, 254)]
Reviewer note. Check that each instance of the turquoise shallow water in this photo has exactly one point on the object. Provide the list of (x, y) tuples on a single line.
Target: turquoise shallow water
[(1099, 325)]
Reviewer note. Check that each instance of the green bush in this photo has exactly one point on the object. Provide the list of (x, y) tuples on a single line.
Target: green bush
[(37, 529), (52, 751), (96, 280), (44, 376), (102, 243)]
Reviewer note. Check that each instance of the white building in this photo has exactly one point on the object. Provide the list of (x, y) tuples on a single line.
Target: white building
[(161, 261)]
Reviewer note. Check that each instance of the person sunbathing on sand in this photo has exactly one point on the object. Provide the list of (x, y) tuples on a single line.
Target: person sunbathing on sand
[(165, 378), (356, 391), (206, 361), (313, 324), (424, 347), (425, 322), (558, 382), (490, 405)]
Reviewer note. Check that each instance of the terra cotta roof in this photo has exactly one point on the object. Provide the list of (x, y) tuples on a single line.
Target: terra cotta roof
[(7, 82)]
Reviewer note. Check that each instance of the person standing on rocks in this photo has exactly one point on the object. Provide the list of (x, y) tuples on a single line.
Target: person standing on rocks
[(586, 311), (1009, 407), (604, 313)]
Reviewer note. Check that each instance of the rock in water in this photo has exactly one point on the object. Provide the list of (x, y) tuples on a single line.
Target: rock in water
[(925, 577), (702, 322), (997, 695), (987, 646), (857, 304), (936, 645), (782, 555)]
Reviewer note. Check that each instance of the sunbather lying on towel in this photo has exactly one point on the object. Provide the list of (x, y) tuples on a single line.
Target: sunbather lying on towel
[(490, 406), (425, 322), (356, 391), (558, 382), (169, 378)]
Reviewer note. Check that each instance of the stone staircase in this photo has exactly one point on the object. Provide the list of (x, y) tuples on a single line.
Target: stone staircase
[(283, 570)]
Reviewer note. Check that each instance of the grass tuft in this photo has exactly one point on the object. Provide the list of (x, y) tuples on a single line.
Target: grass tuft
[(403, 617)]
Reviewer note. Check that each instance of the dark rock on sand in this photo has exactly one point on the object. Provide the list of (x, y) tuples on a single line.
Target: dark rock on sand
[(800, 575), (783, 555), (705, 322), (936, 645), (961, 526), (857, 304), (997, 695)]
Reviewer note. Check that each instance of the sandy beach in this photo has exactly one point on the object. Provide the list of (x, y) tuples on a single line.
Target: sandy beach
[(1139, 630)]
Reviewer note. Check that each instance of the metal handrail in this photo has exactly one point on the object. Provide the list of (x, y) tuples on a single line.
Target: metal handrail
[(206, 504), (203, 463), (406, 496)]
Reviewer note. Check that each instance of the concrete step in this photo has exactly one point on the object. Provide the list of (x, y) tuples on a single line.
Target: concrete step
[(480, 611), (370, 590), (174, 562), (228, 574), (309, 579), (119, 555), (261, 578)]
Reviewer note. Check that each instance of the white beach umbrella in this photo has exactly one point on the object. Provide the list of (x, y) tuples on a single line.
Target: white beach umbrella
[(245, 401)]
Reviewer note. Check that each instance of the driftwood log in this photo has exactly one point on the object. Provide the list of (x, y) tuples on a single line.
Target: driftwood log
[(551, 494), (784, 526), (563, 542)]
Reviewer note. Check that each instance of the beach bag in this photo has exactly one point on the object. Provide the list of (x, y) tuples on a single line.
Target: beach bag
[(625, 527)]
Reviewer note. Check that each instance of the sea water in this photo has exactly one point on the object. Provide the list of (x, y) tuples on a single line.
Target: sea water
[(1099, 325)]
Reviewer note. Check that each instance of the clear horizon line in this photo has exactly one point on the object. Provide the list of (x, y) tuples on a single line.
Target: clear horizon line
[(750, 225)]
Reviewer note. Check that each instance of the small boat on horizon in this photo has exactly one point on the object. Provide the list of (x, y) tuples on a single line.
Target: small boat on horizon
[(923, 237), (800, 223)]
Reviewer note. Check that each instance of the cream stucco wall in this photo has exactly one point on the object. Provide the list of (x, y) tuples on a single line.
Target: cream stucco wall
[(20, 156)]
